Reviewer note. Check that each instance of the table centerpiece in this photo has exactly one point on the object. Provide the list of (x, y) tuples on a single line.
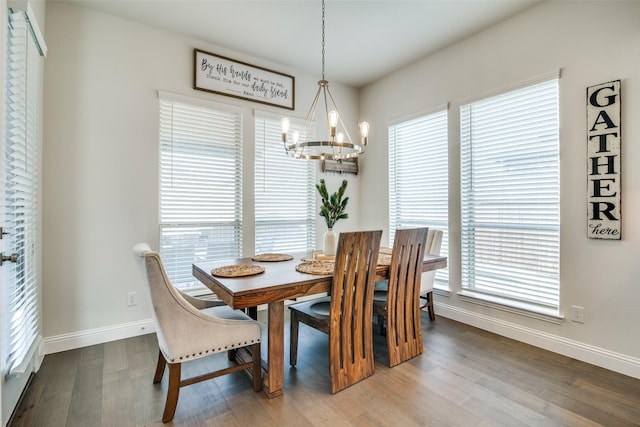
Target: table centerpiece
[(332, 209)]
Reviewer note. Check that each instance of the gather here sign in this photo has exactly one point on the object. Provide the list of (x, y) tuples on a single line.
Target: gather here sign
[(603, 161)]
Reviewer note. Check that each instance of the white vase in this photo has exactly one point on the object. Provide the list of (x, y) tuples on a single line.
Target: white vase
[(329, 246)]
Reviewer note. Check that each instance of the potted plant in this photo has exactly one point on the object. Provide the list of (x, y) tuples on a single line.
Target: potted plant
[(332, 209)]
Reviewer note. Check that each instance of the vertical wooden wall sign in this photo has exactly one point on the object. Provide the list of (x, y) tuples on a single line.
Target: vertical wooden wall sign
[(603, 161)]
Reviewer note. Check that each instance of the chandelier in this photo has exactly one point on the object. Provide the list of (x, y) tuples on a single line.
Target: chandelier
[(338, 145)]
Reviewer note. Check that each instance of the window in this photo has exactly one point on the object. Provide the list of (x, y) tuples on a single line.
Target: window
[(285, 210), (418, 178), (510, 196), (200, 185), (20, 167)]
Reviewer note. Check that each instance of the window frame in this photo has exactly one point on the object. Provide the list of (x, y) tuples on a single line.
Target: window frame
[(294, 179), (426, 165), (23, 64), (228, 182), (547, 269)]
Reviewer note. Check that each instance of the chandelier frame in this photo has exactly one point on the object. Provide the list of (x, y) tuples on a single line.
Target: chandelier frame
[(341, 144)]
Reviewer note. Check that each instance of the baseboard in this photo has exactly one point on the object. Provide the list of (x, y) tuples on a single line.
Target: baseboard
[(64, 342), (604, 358)]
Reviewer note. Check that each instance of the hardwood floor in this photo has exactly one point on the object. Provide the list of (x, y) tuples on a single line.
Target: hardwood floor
[(466, 377)]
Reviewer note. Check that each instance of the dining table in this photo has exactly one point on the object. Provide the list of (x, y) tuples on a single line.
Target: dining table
[(279, 282)]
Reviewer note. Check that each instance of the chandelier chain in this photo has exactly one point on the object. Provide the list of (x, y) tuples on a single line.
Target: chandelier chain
[(338, 144), (323, 40)]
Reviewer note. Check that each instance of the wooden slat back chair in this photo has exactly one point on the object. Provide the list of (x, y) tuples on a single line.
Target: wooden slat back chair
[(347, 315), (186, 333), (433, 246), (399, 306)]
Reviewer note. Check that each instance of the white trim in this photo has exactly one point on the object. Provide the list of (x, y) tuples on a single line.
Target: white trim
[(31, 362), (25, 6), (617, 362), (199, 102), (70, 341), (512, 306), (417, 115), (89, 337), (514, 86), (604, 358), (266, 115), (34, 356), (442, 291)]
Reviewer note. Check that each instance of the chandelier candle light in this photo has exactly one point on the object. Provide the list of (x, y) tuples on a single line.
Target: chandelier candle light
[(338, 145)]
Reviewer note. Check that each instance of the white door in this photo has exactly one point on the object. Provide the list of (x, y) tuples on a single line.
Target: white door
[(20, 329)]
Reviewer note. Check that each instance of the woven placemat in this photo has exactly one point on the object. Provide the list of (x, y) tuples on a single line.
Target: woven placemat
[(315, 267), (319, 258), (237, 270), (271, 257), (384, 259)]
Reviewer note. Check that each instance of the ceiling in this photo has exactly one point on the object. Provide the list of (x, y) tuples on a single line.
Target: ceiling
[(365, 39)]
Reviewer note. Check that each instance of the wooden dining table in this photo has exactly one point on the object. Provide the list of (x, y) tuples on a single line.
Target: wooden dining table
[(279, 282)]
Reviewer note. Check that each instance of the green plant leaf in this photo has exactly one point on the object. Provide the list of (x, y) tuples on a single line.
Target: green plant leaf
[(334, 204)]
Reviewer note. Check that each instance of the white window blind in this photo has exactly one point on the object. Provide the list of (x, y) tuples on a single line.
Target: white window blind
[(510, 195), (200, 186), (21, 182), (419, 178), (285, 211)]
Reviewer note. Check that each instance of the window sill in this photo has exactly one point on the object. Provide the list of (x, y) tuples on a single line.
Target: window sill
[(442, 292), (511, 306)]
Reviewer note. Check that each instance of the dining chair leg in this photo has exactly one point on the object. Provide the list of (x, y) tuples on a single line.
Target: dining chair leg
[(428, 297), (430, 309), (159, 368), (293, 336), (257, 367), (252, 312), (172, 392), (382, 325)]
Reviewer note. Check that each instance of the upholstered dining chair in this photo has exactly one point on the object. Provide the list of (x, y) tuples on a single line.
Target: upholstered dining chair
[(347, 315), (186, 333), (432, 247), (398, 308), (434, 243), (199, 303)]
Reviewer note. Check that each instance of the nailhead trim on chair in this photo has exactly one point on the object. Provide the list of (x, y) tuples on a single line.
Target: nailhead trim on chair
[(226, 347)]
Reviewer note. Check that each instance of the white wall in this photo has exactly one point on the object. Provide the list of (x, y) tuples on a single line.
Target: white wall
[(592, 42), (100, 163), (101, 158)]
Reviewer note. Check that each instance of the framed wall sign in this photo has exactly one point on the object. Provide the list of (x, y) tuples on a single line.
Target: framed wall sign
[(604, 132), (225, 76)]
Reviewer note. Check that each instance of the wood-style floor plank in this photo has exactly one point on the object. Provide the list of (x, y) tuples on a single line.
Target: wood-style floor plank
[(465, 377), (87, 398)]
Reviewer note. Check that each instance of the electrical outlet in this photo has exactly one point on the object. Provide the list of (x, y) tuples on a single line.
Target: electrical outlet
[(131, 299), (577, 314)]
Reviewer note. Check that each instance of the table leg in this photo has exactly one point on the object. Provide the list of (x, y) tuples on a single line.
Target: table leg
[(273, 381)]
